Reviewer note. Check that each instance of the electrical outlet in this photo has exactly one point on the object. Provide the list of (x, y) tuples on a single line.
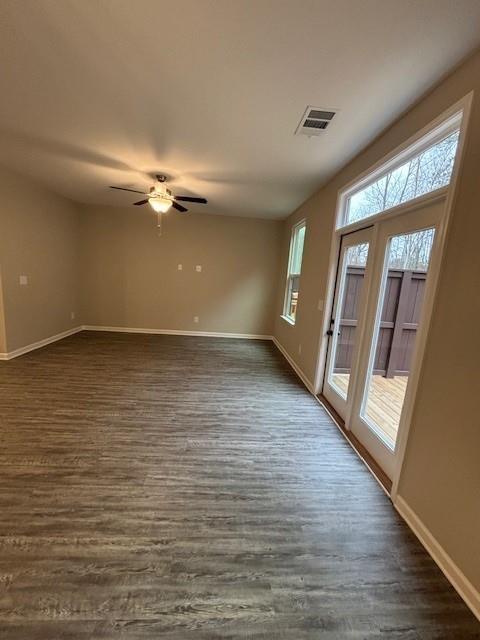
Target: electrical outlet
[(180, 267), (299, 349), (23, 280), (196, 319), (72, 315), (198, 268)]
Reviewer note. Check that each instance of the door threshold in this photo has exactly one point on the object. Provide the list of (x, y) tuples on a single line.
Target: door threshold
[(373, 466)]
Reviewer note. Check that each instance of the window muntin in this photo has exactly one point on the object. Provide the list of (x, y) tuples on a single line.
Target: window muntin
[(294, 270), (422, 173)]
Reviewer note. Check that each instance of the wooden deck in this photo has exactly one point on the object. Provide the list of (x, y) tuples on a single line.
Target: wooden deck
[(385, 401)]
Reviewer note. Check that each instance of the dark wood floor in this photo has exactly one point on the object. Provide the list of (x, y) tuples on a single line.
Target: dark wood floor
[(176, 487)]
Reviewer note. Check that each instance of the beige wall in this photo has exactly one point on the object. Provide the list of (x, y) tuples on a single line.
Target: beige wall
[(39, 239), (130, 275), (441, 475)]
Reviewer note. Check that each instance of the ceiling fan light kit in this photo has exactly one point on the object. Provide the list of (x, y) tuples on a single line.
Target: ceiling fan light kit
[(160, 205)]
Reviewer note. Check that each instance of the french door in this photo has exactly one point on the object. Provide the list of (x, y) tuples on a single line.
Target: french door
[(347, 317), (378, 313)]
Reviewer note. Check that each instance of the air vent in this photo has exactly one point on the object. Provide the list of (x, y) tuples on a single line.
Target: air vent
[(314, 121), (321, 115), (315, 124)]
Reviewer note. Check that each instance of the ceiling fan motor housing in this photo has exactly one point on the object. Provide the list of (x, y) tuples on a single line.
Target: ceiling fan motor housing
[(160, 189)]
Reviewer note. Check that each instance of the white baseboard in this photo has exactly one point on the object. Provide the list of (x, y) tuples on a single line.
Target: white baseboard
[(38, 345), (294, 366), (43, 343), (457, 579), (175, 332)]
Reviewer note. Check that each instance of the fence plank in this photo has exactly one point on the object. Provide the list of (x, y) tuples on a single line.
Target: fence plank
[(401, 308), (400, 317)]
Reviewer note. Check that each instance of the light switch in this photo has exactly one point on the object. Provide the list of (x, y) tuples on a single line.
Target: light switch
[(320, 305), (198, 268), (23, 280), (196, 319), (180, 267)]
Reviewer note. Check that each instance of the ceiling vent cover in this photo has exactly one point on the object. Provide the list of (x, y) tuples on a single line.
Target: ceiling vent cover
[(315, 121)]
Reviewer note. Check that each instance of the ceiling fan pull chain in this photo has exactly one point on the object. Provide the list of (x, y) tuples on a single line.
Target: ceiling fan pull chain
[(159, 224)]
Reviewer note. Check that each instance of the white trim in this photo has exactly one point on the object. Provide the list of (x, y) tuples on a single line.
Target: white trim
[(368, 235), (366, 430), (38, 345), (293, 236), (404, 207), (436, 269), (454, 575), (43, 343), (288, 319), (294, 366), (176, 332)]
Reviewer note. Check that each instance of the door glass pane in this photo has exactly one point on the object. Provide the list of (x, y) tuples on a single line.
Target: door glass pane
[(397, 324), (352, 276)]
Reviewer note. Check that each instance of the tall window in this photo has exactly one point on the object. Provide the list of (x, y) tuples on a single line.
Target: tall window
[(423, 168), (294, 269)]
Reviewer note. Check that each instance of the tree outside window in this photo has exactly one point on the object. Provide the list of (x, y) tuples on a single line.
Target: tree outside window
[(294, 269)]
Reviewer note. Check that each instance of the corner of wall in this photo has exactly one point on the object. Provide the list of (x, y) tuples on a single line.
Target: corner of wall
[(3, 335), (39, 238), (452, 572)]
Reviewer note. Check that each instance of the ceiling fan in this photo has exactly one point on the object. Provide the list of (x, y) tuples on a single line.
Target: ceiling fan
[(160, 198)]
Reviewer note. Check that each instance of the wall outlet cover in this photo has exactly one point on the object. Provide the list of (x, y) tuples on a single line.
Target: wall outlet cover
[(23, 280), (198, 268)]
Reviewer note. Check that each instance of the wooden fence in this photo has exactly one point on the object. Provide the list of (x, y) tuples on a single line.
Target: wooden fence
[(401, 310)]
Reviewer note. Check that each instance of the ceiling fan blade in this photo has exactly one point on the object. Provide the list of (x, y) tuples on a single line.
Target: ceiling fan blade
[(132, 190), (178, 207), (140, 202), (190, 199)]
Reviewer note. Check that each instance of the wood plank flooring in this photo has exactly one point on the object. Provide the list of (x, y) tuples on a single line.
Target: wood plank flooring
[(179, 488)]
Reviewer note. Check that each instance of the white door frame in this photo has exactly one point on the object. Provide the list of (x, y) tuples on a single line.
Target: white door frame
[(464, 107), (366, 235), (428, 215)]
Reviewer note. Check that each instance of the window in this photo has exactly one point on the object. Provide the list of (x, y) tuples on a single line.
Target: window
[(294, 270), (424, 167)]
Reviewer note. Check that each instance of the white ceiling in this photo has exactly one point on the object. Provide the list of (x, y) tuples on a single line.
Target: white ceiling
[(100, 92)]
